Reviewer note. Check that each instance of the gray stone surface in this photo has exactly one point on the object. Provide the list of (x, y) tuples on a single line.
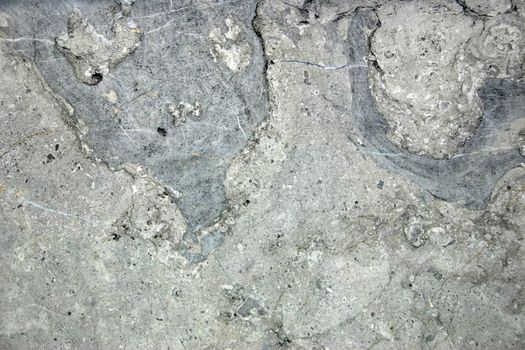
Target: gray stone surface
[(175, 62), (431, 58), (232, 181), (467, 177)]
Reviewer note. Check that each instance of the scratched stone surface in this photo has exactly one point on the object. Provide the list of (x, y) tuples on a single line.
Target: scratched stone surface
[(301, 174)]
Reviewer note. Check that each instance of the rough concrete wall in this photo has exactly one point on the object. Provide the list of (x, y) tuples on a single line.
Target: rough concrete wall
[(226, 175)]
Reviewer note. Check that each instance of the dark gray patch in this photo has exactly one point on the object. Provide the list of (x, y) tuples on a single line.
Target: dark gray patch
[(468, 177), (171, 65)]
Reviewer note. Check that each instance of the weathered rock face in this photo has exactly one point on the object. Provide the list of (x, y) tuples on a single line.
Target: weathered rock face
[(501, 47), (187, 80), (329, 234), (90, 53), (419, 91), (431, 58)]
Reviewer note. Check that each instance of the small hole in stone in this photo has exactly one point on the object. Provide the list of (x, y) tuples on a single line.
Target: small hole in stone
[(97, 78), (162, 132)]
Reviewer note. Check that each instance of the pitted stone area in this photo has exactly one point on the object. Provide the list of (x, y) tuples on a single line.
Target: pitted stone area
[(90, 53), (467, 177), (431, 58), (231, 47)]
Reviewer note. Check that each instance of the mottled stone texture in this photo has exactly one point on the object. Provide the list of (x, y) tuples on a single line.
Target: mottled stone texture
[(153, 55), (431, 59), (262, 174)]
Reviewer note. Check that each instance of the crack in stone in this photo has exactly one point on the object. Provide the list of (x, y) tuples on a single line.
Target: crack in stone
[(322, 66)]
